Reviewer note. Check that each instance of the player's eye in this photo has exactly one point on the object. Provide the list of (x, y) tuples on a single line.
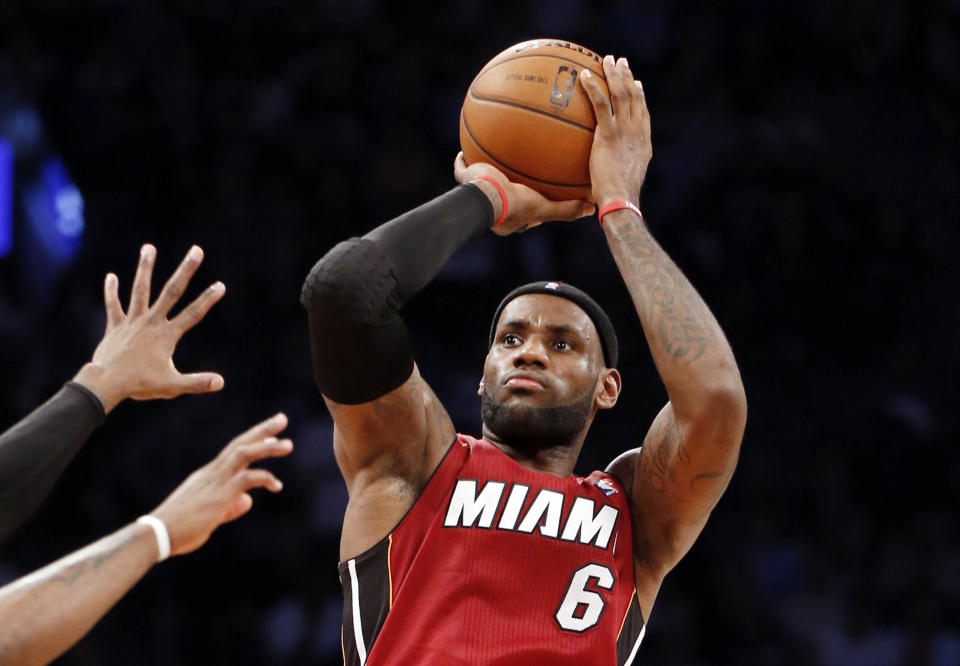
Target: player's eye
[(562, 345), (509, 339)]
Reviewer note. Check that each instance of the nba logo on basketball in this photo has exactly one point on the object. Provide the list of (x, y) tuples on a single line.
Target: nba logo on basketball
[(563, 84)]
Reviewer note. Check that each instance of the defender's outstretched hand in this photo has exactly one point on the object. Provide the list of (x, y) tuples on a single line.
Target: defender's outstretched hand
[(621, 142), (218, 492), (135, 357), (45, 613), (526, 208)]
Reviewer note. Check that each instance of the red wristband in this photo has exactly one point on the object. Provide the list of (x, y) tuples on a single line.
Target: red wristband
[(618, 204), (503, 196)]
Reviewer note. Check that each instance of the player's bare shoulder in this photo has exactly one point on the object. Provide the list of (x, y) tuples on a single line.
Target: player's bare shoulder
[(386, 450), (624, 468)]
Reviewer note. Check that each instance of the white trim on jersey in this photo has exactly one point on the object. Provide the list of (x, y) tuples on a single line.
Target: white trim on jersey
[(636, 646), (357, 629)]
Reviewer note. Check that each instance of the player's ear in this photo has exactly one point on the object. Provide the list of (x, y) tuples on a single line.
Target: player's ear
[(608, 385)]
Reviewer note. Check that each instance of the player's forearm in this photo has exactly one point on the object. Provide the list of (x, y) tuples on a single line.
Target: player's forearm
[(689, 349), (35, 451), (419, 242), (45, 613)]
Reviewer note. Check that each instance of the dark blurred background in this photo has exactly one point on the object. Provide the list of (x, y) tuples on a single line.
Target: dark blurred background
[(805, 177)]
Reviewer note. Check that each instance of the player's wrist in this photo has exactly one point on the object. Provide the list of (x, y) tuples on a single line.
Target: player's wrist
[(96, 379), (605, 196), (495, 194), (157, 529), (618, 209)]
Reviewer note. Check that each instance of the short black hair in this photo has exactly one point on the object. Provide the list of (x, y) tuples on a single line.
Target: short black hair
[(608, 338)]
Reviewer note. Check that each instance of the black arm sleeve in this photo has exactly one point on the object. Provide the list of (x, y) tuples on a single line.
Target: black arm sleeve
[(358, 341), (35, 451)]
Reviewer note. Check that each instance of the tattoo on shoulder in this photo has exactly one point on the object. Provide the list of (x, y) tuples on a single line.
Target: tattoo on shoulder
[(664, 296)]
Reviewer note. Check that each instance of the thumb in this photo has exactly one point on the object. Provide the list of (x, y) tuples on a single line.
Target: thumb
[(572, 209), (459, 166), (240, 505), (201, 382)]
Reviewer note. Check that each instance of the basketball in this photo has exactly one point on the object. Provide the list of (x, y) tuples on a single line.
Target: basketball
[(527, 114)]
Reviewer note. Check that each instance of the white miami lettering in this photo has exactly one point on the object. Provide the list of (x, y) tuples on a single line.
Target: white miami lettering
[(544, 514), (466, 506), (511, 512), (585, 523), (585, 526)]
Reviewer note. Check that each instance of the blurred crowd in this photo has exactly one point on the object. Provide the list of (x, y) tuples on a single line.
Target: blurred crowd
[(805, 177)]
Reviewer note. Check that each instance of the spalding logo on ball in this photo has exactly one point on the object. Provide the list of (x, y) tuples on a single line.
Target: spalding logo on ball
[(527, 114)]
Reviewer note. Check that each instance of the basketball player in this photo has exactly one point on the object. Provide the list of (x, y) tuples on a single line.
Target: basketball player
[(46, 612), (457, 550), (133, 360)]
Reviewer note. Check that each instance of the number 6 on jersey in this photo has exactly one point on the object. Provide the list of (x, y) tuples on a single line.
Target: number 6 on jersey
[(581, 608)]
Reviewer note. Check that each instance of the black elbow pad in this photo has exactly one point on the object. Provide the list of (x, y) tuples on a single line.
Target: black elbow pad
[(359, 344)]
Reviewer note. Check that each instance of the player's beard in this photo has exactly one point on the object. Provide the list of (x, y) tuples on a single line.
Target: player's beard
[(529, 427)]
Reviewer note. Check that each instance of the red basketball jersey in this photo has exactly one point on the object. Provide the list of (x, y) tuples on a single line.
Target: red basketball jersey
[(498, 564)]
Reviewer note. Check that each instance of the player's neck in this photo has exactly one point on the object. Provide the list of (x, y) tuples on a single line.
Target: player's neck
[(557, 459)]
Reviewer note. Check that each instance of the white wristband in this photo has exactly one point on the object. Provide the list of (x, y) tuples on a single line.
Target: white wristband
[(161, 534)]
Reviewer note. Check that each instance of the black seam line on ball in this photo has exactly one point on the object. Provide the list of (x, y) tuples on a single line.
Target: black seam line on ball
[(466, 126), (534, 109)]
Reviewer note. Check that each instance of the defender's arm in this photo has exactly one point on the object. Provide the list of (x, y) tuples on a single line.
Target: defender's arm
[(35, 451), (44, 613), (133, 360)]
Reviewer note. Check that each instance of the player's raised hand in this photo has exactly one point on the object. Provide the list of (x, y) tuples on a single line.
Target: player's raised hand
[(218, 492), (135, 357), (526, 208), (621, 143)]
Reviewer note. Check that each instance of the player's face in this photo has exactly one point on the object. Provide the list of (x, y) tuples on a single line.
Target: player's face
[(540, 378)]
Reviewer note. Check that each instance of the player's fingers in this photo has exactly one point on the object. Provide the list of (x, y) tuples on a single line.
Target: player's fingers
[(194, 313), (629, 79), (598, 98), (242, 456), (268, 428), (572, 209), (260, 478), (640, 101), (240, 505), (269, 447), (177, 284), (140, 292), (633, 91), (199, 382), (111, 301), (619, 94)]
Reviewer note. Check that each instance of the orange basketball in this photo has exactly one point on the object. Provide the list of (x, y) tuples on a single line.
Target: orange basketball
[(527, 114)]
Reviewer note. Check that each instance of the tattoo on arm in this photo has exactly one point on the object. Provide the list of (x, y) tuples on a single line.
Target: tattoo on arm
[(657, 465), (669, 306), (75, 571)]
